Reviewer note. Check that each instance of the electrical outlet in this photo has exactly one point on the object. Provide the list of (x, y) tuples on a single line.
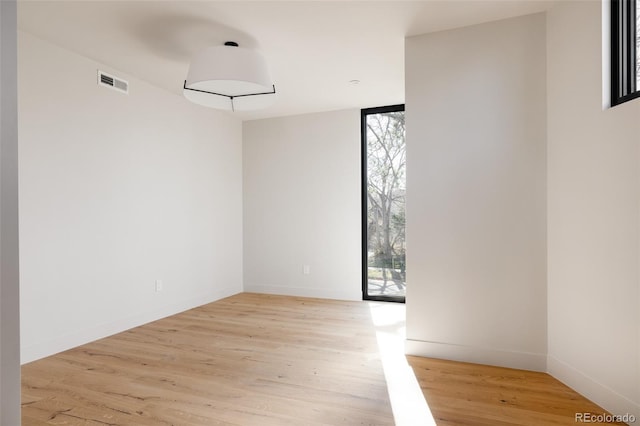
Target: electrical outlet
[(306, 269), (159, 286)]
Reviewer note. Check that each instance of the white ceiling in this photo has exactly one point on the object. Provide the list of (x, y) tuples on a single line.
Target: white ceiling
[(313, 48)]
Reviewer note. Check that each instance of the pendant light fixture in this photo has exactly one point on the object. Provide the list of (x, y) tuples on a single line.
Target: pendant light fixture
[(229, 77)]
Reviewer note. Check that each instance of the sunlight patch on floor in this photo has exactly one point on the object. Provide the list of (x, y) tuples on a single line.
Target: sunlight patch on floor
[(407, 401)]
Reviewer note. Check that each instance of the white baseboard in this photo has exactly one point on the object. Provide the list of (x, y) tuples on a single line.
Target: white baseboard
[(477, 355), (72, 340), (602, 395), (321, 293)]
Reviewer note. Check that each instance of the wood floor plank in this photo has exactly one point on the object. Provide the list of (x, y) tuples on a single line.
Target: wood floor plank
[(255, 359), (246, 360), (461, 393)]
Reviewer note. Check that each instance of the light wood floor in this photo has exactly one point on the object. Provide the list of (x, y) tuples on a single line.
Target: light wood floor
[(272, 360), (459, 393), (245, 360)]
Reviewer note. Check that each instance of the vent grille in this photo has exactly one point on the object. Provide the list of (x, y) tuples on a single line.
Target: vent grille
[(112, 82)]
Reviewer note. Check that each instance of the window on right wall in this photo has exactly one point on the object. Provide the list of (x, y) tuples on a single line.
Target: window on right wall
[(625, 50)]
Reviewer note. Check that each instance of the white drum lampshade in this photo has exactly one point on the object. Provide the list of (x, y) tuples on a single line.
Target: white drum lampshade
[(231, 78)]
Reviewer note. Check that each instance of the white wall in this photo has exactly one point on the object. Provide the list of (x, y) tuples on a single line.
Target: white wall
[(117, 191), (9, 277), (476, 228), (302, 205), (593, 218)]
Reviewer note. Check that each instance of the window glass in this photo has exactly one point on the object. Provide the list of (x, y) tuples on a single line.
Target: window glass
[(637, 44), (625, 50), (384, 203)]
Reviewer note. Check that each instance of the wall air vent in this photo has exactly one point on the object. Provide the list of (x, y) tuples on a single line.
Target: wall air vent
[(114, 83)]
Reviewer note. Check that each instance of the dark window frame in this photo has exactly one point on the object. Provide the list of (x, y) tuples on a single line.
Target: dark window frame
[(364, 200), (623, 52)]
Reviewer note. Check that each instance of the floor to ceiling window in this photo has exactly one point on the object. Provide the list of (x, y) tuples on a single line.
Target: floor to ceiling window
[(383, 203), (625, 51)]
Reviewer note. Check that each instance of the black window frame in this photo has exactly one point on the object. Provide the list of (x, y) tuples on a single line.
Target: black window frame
[(623, 52), (364, 201)]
